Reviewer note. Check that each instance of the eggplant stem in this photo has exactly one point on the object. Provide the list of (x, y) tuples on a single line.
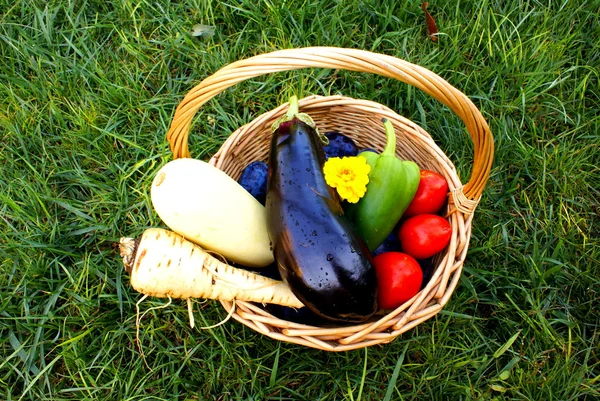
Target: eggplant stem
[(293, 112), (293, 108)]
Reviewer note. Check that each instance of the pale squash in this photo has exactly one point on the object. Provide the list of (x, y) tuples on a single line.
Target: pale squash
[(209, 208)]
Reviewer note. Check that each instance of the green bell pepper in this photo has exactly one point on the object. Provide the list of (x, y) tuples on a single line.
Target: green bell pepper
[(392, 186)]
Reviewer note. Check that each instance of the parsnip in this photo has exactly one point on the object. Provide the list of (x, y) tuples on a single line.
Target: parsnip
[(209, 208), (164, 264)]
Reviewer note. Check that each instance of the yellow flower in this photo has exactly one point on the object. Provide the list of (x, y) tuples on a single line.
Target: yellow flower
[(348, 175)]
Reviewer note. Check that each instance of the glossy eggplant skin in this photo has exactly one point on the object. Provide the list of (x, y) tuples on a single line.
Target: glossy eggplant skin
[(318, 251)]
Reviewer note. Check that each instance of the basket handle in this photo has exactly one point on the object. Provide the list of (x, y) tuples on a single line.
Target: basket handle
[(352, 60)]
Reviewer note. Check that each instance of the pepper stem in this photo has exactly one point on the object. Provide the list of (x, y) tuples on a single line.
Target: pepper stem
[(390, 145)]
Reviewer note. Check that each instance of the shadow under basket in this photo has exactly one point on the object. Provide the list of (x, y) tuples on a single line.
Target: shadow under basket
[(361, 120)]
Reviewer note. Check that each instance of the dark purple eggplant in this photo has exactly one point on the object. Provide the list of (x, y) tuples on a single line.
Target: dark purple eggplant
[(318, 251)]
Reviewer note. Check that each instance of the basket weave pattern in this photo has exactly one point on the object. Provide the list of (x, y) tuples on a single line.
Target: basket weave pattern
[(361, 120)]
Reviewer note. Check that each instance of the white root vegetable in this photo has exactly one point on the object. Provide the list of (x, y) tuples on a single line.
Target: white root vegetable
[(209, 208), (164, 264)]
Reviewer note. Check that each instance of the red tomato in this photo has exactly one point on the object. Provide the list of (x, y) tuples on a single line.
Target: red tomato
[(424, 235), (431, 195), (399, 278)]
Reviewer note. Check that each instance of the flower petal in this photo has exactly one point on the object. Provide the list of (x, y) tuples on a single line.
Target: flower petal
[(349, 175)]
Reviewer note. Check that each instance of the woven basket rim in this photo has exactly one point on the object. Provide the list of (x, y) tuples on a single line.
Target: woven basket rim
[(463, 200), (351, 60)]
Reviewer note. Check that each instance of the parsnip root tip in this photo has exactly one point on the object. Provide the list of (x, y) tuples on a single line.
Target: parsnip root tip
[(128, 248), (190, 312)]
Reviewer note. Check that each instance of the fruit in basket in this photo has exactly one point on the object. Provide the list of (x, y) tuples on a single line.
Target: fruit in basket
[(431, 195), (392, 186), (424, 235), (399, 276), (209, 208), (339, 145), (254, 180), (319, 253)]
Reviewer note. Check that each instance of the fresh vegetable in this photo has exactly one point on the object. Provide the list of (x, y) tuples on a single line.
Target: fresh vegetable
[(164, 264), (399, 276), (431, 195), (319, 253), (339, 145), (424, 235), (392, 186), (211, 209), (368, 150), (254, 180)]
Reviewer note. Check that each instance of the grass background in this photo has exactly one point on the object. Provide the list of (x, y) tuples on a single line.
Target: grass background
[(87, 92)]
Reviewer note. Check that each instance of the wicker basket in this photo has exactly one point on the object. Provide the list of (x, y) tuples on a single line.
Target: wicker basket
[(361, 120)]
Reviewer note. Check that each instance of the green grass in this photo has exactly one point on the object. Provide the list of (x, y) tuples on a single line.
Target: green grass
[(87, 92)]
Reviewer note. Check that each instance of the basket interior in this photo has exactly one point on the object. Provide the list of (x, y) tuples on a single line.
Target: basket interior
[(360, 120)]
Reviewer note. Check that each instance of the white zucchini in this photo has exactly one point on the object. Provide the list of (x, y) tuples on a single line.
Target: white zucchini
[(209, 208)]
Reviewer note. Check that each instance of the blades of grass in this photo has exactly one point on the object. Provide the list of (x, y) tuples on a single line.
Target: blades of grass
[(392, 383), (364, 375), (19, 351), (40, 375), (505, 371), (37, 348), (506, 345), (71, 208), (273, 377)]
